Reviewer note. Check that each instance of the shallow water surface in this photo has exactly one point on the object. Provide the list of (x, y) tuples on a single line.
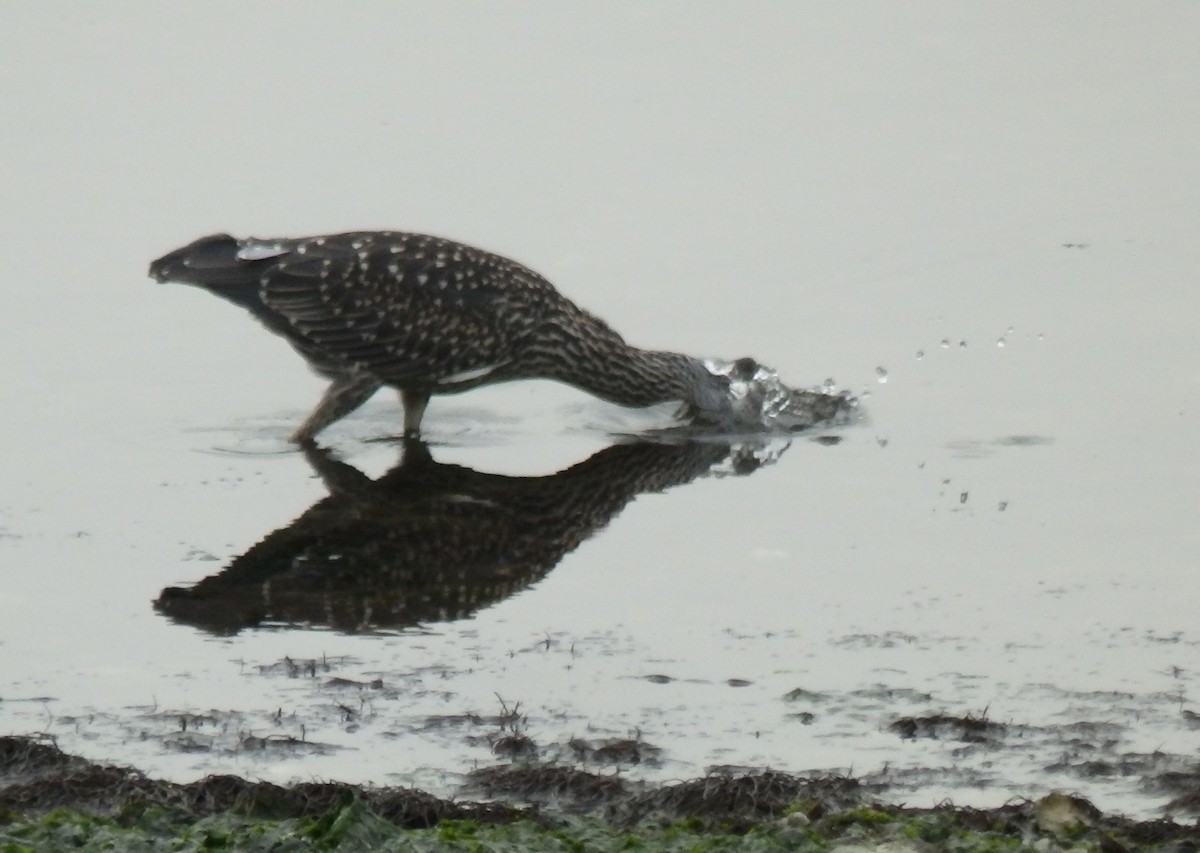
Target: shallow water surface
[(982, 587)]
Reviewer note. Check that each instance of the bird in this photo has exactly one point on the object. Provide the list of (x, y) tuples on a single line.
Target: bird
[(427, 315)]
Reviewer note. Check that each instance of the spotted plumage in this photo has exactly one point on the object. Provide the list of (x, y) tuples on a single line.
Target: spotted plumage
[(426, 316)]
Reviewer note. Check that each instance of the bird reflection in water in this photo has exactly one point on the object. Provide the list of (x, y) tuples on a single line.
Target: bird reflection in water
[(430, 542)]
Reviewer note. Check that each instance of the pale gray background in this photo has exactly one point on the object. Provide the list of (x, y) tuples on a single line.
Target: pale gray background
[(831, 187)]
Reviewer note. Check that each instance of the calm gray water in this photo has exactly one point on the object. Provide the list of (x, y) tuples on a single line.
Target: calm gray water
[(994, 204)]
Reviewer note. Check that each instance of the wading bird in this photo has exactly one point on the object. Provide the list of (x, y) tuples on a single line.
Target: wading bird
[(426, 316)]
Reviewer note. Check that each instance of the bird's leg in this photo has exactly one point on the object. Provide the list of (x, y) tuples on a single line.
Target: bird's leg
[(339, 477), (347, 393), (414, 409)]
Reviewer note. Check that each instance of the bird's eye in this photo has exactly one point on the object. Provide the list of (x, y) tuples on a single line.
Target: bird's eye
[(744, 369)]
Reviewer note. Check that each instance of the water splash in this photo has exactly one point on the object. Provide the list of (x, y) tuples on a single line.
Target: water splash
[(761, 399), (749, 455)]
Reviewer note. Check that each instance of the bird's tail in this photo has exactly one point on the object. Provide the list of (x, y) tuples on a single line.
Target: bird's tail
[(218, 263)]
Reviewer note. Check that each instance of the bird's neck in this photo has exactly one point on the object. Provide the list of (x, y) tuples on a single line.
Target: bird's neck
[(597, 359), (639, 377)]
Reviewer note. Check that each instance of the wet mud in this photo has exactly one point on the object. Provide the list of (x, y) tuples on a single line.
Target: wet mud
[(521, 754), (788, 809)]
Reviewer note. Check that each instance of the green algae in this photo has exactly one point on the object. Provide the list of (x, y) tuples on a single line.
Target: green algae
[(50, 801), (354, 825)]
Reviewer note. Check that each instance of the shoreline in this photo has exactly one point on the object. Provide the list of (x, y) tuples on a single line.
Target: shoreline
[(46, 794)]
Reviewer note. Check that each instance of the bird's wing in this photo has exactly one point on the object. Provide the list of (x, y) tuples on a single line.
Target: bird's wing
[(405, 307)]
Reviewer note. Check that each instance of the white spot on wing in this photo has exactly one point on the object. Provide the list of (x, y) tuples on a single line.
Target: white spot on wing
[(467, 499), (255, 251), (468, 375)]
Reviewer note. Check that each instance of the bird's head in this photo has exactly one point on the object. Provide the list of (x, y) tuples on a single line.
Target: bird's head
[(745, 395)]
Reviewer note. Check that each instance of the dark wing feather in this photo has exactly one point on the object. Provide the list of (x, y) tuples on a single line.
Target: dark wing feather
[(410, 309)]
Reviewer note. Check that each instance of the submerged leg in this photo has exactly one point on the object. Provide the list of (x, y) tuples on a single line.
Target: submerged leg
[(346, 394), (414, 409)]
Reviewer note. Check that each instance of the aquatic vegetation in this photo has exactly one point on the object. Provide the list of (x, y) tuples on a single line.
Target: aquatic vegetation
[(51, 801)]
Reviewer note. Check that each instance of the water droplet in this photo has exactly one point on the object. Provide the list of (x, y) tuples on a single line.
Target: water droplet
[(1000, 342), (945, 343), (1041, 336), (881, 375), (920, 354), (828, 386), (962, 344)]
